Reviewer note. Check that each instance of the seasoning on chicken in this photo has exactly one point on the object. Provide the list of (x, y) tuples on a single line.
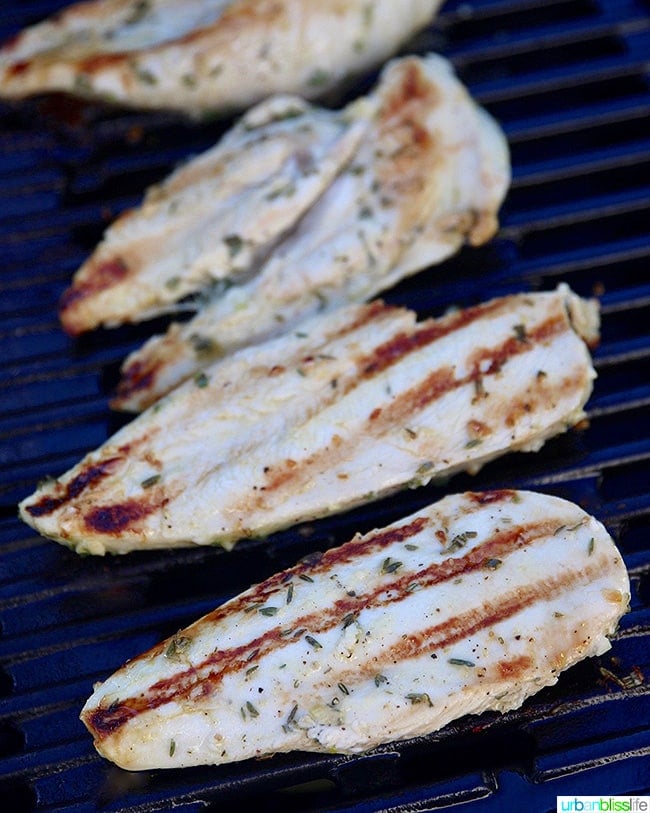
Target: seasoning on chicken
[(472, 604), (429, 174), (358, 404), (200, 56)]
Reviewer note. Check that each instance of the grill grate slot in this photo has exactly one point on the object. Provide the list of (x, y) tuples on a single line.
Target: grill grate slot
[(568, 81)]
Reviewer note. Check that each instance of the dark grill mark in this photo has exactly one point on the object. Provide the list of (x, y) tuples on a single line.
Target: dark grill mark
[(495, 359), (414, 87), (98, 62), (136, 376), (515, 668), (18, 68), (111, 719), (88, 477), (113, 519), (494, 496), (102, 276), (402, 344)]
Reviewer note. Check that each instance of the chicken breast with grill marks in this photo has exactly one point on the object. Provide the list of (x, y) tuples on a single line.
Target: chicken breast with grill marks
[(206, 55), (214, 217), (429, 174), (360, 403), (473, 603)]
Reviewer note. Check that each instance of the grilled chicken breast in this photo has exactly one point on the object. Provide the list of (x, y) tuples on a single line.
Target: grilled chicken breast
[(360, 403), (474, 603), (213, 217), (430, 173), (206, 55)]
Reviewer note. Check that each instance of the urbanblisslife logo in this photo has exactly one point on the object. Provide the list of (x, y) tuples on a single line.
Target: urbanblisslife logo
[(607, 804)]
